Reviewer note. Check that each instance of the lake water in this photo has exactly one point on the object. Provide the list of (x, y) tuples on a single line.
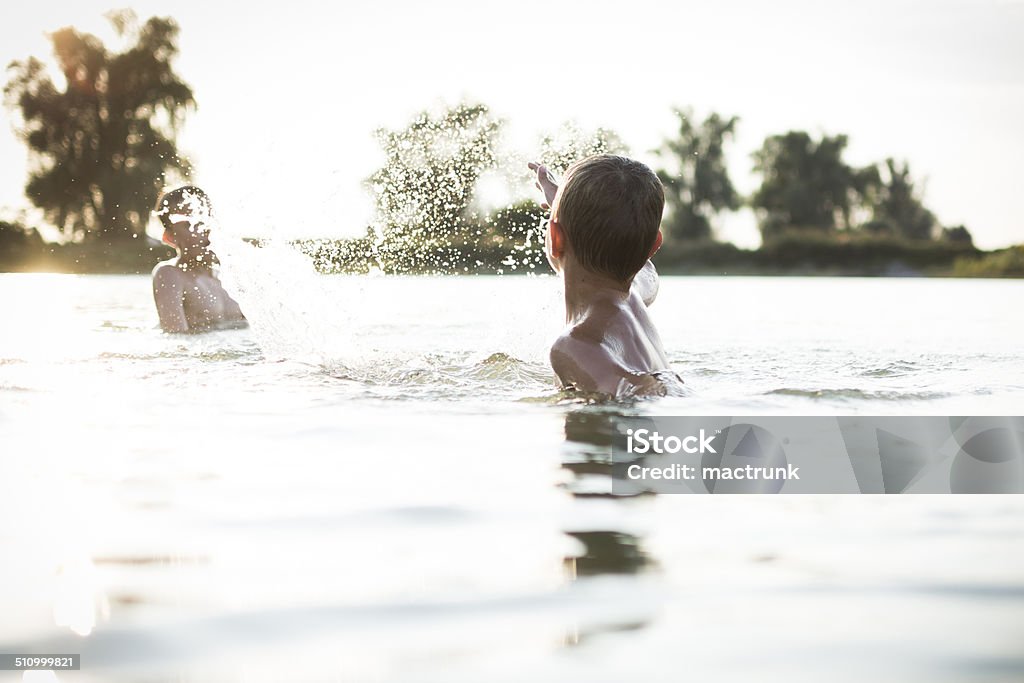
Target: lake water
[(379, 482)]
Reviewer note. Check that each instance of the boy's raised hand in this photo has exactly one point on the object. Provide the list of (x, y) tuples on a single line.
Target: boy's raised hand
[(545, 183)]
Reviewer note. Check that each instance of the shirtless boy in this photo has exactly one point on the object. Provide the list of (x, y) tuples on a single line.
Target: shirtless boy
[(189, 296), (604, 228)]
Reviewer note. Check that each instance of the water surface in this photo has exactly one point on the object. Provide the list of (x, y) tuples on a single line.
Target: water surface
[(379, 481)]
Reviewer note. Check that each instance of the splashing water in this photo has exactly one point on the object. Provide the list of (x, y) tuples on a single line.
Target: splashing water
[(570, 143), (429, 220), (356, 326), (292, 313)]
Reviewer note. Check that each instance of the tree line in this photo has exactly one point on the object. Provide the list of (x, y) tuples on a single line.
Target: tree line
[(103, 144), (426, 204)]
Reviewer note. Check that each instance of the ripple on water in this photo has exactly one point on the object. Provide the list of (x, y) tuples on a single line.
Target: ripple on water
[(208, 356), (111, 325), (445, 376), (501, 366), (859, 394), (898, 368)]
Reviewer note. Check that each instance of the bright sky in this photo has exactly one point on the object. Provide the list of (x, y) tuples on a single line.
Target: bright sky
[(290, 93)]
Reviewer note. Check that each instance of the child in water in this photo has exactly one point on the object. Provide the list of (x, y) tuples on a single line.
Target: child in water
[(189, 296), (604, 228)]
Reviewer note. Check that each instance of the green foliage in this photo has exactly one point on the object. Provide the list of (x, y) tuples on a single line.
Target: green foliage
[(1003, 263), (340, 256), (570, 143), (18, 246), (701, 257), (897, 208), (101, 146), (515, 233), (24, 250), (806, 184), (958, 234), (812, 252), (12, 234), (519, 221), (808, 187), (697, 183), (510, 240), (424, 191), (859, 253)]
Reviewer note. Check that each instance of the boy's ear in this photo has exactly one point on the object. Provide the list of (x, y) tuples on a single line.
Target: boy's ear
[(657, 244), (557, 238)]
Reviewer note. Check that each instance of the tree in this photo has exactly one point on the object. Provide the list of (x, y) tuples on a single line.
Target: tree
[(958, 234), (18, 245), (424, 191), (101, 146), (896, 204), (697, 184), (806, 184), (516, 231), (570, 143)]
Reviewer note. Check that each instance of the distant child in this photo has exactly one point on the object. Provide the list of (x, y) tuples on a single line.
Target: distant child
[(604, 228), (189, 296)]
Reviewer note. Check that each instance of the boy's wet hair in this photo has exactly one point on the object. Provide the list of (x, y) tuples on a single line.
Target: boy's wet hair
[(188, 199), (610, 210)]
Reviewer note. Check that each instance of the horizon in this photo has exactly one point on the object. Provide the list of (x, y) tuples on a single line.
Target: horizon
[(911, 87)]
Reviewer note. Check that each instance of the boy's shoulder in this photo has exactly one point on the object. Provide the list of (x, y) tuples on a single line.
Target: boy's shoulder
[(581, 360), (591, 355), (603, 322), (583, 364), (167, 269), (575, 339)]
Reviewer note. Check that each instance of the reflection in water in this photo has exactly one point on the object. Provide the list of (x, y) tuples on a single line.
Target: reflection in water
[(590, 434), (590, 440), (78, 600), (607, 552)]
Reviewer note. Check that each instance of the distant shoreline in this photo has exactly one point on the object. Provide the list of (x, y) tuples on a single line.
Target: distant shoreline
[(795, 256)]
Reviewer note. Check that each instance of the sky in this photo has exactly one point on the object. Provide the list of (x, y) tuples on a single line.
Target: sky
[(290, 94)]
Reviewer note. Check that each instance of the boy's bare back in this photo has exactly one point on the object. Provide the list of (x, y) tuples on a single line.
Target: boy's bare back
[(603, 229), (614, 348)]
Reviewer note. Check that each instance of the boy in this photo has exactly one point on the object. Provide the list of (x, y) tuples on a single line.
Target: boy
[(604, 228), (189, 296)]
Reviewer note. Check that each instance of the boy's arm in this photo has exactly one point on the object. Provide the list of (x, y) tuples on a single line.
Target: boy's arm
[(645, 283), (545, 183), (168, 295)]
